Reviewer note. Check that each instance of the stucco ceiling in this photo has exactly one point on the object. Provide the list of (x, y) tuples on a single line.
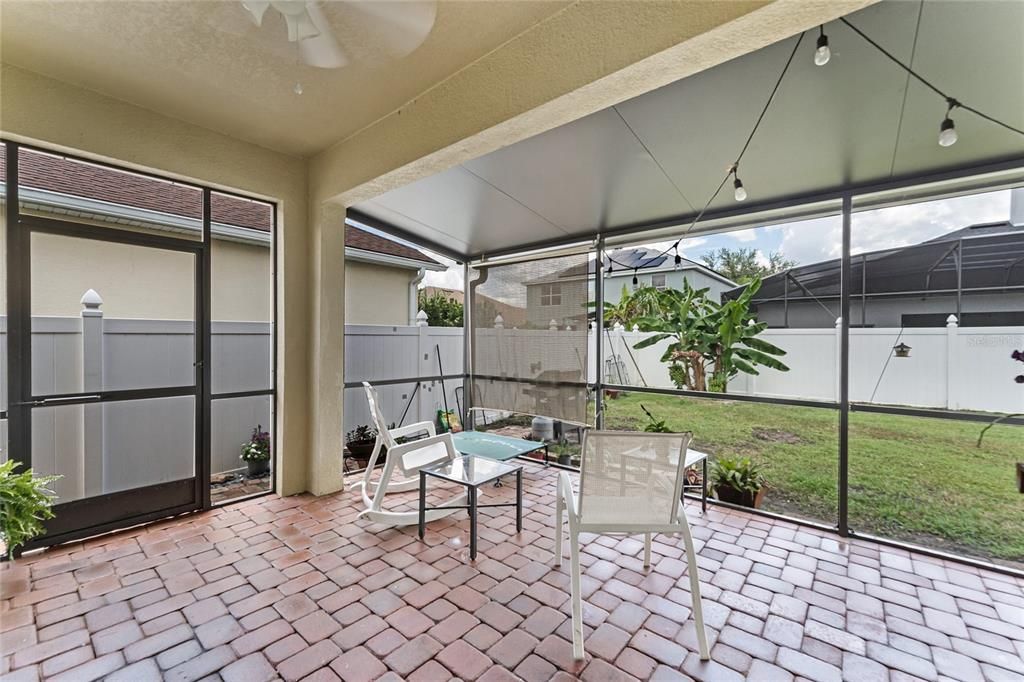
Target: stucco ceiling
[(658, 157), (206, 63)]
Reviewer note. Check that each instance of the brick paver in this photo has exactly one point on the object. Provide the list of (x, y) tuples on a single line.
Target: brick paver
[(298, 588)]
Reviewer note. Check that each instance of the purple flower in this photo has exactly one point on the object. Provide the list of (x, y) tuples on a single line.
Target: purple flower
[(1017, 355), (1019, 378)]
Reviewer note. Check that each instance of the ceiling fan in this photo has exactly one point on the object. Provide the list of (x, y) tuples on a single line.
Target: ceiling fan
[(397, 28)]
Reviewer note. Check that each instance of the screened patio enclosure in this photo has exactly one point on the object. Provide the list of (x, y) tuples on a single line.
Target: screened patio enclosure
[(841, 166)]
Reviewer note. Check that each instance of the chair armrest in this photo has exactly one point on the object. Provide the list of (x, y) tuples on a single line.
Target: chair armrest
[(566, 493), (413, 429)]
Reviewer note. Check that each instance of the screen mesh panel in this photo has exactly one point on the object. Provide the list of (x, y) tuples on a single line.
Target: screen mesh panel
[(529, 336)]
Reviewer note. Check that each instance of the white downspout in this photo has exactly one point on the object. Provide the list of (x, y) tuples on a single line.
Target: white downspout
[(414, 286)]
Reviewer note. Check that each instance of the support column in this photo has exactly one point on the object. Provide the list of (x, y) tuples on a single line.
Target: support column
[(422, 363), (93, 465), (324, 473)]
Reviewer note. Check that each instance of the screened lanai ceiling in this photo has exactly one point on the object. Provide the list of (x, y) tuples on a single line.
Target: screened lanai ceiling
[(657, 158)]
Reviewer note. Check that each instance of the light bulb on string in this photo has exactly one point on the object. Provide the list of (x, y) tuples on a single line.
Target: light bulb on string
[(739, 192), (822, 53), (679, 259), (947, 131), (635, 280)]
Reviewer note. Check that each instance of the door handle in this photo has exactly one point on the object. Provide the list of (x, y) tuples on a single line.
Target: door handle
[(63, 400)]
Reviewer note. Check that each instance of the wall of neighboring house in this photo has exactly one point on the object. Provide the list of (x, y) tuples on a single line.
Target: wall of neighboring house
[(887, 312), (377, 294), (565, 303), (673, 280), (137, 282)]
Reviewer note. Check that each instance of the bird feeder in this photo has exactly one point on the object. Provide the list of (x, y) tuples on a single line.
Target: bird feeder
[(902, 350)]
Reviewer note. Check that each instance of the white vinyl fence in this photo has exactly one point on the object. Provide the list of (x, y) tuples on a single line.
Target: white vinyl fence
[(956, 368), (380, 353), (102, 448)]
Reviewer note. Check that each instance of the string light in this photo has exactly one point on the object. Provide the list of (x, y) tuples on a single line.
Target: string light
[(822, 54), (738, 191), (635, 280), (679, 259), (947, 131)]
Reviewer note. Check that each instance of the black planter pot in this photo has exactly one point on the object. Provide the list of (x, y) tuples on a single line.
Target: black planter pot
[(742, 498), (258, 467)]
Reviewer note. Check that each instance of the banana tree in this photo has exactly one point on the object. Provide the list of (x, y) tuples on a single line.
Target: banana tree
[(706, 336)]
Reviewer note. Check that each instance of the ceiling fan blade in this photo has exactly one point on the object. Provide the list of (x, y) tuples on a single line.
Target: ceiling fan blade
[(321, 50), (400, 27), (256, 9)]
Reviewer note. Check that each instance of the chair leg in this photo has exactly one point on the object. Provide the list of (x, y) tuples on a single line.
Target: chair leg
[(577, 598), (559, 510), (647, 550), (698, 611)]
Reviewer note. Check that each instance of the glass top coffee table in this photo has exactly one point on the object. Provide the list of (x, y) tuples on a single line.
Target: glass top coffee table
[(472, 472)]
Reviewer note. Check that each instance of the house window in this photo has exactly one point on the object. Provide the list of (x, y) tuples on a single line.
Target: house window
[(551, 294), (658, 281)]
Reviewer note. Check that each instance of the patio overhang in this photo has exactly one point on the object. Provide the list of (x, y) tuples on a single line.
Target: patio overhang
[(650, 163)]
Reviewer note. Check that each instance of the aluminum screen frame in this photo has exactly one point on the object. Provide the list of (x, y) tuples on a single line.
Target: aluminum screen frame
[(529, 336)]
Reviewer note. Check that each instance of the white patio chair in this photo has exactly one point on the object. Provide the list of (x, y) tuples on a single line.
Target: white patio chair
[(405, 460), (632, 484)]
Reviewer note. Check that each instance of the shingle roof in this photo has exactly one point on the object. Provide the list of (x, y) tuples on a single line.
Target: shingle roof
[(71, 177), (367, 241)]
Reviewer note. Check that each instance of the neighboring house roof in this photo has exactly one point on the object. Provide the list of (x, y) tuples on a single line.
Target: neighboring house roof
[(356, 238), (626, 262), (991, 255), (96, 191)]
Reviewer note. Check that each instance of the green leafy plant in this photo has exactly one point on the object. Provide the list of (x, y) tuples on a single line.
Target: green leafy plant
[(441, 310), (737, 480), (258, 447), (709, 342), (360, 434), (25, 502), (654, 425)]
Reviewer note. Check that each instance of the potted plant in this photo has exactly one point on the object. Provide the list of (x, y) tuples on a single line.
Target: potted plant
[(256, 453), (563, 451), (25, 502), (360, 442), (738, 481)]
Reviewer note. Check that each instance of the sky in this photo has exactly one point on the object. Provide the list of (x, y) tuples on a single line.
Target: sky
[(811, 241)]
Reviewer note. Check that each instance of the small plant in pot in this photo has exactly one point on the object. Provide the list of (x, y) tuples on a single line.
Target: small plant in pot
[(738, 481), (563, 451), (360, 441), (256, 453), (25, 502)]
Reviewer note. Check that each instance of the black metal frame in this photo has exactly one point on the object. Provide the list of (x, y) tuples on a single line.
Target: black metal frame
[(846, 196), (112, 511)]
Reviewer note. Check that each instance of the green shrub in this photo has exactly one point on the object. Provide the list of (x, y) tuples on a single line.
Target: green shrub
[(25, 503)]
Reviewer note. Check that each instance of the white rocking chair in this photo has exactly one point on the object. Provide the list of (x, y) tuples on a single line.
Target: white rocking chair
[(406, 460), (630, 483)]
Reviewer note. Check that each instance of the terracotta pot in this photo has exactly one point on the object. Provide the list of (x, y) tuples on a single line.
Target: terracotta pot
[(744, 499)]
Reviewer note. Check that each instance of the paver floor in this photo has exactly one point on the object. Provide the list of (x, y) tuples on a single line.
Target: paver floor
[(299, 588)]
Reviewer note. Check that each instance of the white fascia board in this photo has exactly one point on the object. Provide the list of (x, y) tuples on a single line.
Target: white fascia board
[(378, 258)]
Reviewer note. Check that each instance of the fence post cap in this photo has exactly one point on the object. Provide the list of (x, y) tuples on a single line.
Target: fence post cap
[(636, 328), (91, 300), (839, 322), (553, 325), (951, 321), (499, 321), (421, 319)]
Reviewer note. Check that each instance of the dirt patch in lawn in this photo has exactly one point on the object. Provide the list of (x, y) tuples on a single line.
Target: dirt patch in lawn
[(776, 436)]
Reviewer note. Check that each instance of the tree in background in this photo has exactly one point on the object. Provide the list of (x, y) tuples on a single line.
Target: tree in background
[(742, 265), (441, 310)]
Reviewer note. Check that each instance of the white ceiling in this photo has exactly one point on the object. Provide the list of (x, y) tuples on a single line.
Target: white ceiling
[(206, 63), (858, 119)]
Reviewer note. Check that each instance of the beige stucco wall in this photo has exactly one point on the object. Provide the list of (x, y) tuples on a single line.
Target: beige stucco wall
[(49, 113), (137, 282), (375, 294)]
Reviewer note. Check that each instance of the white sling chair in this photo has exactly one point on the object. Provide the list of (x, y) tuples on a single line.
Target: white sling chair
[(405, 460), (630, 483)]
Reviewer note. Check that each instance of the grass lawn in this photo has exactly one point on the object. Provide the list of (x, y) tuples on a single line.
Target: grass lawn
[(911, 478)]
